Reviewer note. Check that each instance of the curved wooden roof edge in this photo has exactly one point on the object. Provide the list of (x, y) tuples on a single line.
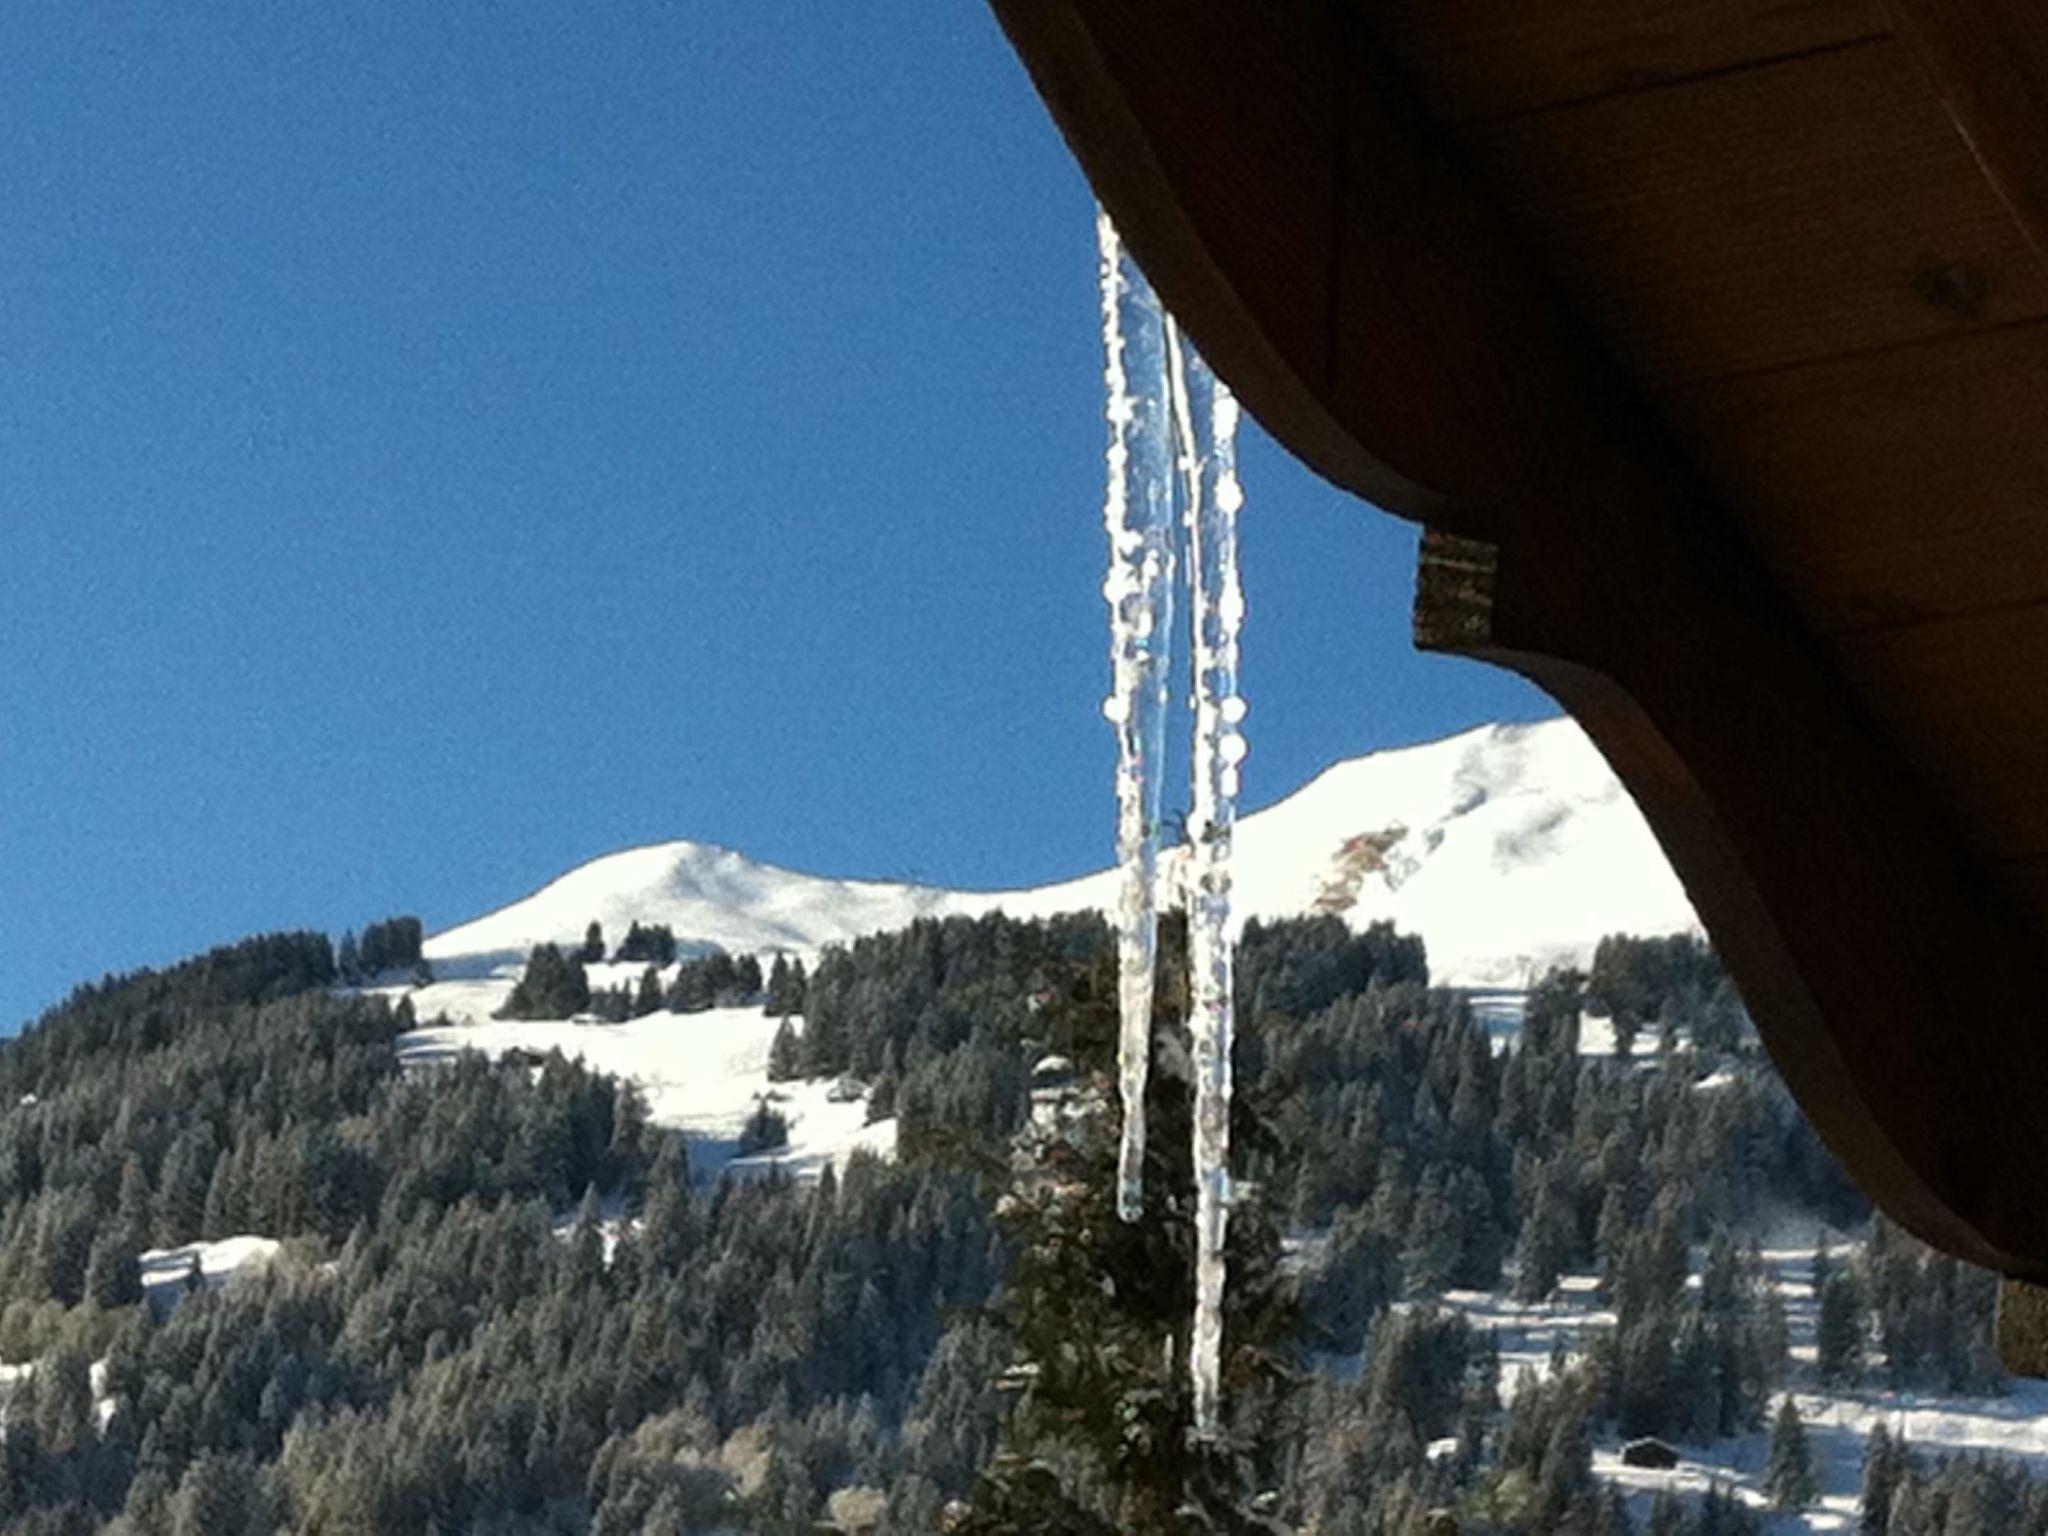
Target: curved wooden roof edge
[(1322, 238)]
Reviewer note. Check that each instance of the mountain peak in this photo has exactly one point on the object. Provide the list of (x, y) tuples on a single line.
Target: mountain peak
[(1508, 847)]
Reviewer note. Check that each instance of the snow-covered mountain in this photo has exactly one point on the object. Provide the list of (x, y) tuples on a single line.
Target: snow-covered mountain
[(1509, 848)]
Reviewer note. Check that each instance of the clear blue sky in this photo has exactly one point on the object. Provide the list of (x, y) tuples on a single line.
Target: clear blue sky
[(440, 443)]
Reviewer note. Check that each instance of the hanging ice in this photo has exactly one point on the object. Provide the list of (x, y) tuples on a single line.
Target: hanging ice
[(1173, 444), (1137, 513), (1205, 414)]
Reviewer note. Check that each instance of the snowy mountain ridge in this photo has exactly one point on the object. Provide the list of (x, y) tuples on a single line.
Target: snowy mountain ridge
[(1509, 848)]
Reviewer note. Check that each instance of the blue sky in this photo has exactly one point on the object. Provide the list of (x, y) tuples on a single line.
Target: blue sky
[(442, 443)]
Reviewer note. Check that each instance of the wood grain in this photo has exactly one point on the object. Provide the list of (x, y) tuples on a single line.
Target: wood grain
[(1964, 698), (1487, 58), (1800, 210), (1888, 488)]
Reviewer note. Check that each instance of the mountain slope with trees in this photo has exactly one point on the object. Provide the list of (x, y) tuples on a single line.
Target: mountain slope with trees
[(503, 1302)]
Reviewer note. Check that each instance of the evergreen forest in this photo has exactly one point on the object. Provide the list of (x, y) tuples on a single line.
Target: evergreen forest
[(503, 1302)]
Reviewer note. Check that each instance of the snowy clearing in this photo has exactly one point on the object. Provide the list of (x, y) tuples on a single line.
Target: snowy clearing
[(164, 1270), (2014, 1426), (702, 1073)]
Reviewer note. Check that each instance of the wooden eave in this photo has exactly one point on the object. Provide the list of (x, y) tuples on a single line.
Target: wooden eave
[(1709, 339)]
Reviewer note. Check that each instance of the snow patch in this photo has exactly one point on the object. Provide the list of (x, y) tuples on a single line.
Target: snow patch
[(702, 1073), (164, 1270)]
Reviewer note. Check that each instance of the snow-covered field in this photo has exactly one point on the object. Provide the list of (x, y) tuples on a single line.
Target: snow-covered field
[(703, 1073)]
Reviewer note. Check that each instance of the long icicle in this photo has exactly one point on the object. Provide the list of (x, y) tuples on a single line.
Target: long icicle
[(1137, 513), (1206, 425)]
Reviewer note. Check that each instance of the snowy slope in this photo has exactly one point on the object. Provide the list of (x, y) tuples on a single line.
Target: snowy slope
[(1509, 848), (702, 1073)]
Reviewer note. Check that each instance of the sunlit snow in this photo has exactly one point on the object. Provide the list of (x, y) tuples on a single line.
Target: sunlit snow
[(1509, 848)]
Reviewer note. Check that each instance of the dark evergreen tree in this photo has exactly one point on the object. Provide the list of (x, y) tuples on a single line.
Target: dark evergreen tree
[(1788, 1476), (1838, 1336), (113, 1278), (391, 945), (552, 987), (653, 944), (1885, 1462), (765, 1131), (785, 987), (785, 1060), (649, 999), (1098, 1312)]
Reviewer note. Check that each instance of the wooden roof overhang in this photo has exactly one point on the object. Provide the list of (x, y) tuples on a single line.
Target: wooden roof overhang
[(1709, 339)]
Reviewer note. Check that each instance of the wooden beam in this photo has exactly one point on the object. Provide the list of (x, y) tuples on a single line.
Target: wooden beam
[(1326, 248)]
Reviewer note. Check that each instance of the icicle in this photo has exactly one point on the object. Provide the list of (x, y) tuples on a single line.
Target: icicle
[(1173, 440), (1205, 414), (1137, 514)]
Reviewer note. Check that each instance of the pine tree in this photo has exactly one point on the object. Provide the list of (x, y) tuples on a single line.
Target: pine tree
[(219, 1496), (690, 992), (776, 1004), (882, 1097), (1098, 1311), (1882, 1464), (552, 987), (1838, 1341), (181, 1194), (650, 998), (766, 1130), (1567, 1464), (784, 1054), (786, 986), (1545, 1244), (61, 1397), (1788, 1476), (112, 1276), (592, 951)]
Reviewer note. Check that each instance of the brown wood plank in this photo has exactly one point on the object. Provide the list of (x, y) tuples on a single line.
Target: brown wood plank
[(1966, 699), (1482, 58), (2017, 831), (1765, 218), (1892, 487), (2026, 884)]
